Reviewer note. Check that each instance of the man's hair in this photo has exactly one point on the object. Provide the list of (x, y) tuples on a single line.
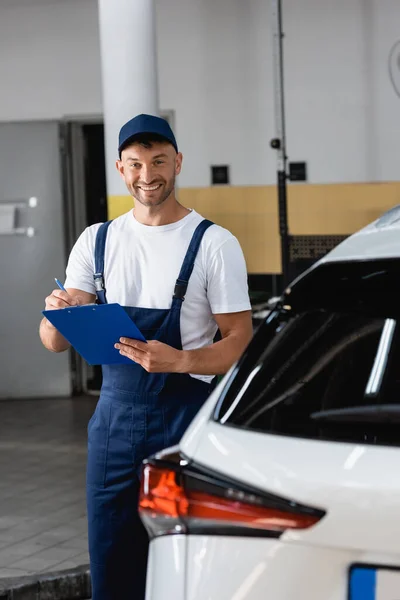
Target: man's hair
[(146, 140)]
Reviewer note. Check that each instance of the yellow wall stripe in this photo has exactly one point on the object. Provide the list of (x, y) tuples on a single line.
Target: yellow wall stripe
[(251, 213), (118, 205), (338, 208)]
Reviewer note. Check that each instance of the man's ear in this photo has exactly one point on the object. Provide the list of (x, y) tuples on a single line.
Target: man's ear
[(178, 163), (120, 167)]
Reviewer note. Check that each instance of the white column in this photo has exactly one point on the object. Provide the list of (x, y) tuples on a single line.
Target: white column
[(129, 72)]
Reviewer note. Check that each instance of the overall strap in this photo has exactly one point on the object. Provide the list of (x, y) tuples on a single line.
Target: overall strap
[(188, 263), (99, 251)]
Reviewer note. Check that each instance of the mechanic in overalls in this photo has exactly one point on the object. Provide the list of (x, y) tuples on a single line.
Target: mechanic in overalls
[(180, 278)]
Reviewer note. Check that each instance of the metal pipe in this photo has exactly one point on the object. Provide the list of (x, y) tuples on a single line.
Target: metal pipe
[(279, 143)]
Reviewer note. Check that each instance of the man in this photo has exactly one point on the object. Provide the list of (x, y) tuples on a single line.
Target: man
[(180, 278)]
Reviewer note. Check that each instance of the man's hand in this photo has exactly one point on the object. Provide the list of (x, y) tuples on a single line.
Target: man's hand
[(60, 299), (215, 359), (153, 356), (51, 338), (236, 331)]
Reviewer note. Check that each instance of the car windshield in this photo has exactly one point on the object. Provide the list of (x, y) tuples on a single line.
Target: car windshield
[(324, 365)]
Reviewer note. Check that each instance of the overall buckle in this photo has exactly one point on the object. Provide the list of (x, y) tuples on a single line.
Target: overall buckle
[(99, 282), (180, 289)]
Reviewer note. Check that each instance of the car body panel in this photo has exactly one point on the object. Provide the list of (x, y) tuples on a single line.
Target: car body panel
[(256, 569), (374, 241), (166, 570), (346, 480), (193, 434), (226, 568)]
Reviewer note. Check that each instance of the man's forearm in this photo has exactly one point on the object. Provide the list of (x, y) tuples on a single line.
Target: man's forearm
[(216, 359), (51, 338)]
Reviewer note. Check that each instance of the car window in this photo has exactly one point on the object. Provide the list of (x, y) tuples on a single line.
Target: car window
[(322, 369)]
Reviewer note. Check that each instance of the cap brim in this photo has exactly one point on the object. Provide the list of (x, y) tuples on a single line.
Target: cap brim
[(131, 139)]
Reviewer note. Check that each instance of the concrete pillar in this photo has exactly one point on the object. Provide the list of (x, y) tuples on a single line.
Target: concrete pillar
[(129, 79)]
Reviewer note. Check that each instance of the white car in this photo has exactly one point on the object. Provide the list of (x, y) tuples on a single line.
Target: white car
[(286, 486)]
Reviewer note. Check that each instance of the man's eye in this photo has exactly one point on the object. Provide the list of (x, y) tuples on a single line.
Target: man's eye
[(135, 165), (159, 162)]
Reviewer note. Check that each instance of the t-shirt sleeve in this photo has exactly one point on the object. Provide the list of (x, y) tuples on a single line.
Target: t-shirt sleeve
[(227, 287), (80, 267)]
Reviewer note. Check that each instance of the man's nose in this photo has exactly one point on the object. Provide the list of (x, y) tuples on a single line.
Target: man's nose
[(147, 174)]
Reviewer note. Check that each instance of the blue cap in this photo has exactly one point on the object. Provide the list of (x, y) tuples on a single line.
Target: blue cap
[(145, 124)]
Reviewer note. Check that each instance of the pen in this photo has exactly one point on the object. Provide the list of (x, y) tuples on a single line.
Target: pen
[(60, 285)]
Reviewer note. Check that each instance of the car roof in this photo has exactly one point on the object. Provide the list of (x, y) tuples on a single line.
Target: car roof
[(380, 239)]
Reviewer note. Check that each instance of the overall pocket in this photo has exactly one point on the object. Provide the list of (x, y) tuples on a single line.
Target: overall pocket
[(98, 432), (133, 379), (110, 449)]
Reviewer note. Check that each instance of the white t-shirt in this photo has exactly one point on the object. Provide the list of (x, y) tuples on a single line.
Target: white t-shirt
[(142, 264)]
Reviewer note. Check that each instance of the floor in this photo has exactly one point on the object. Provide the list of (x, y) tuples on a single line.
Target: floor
[(42, 485)]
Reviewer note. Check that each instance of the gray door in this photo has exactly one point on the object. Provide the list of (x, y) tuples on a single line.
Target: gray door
[(30, 168)]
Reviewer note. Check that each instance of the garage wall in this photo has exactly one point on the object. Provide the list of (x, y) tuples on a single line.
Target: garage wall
[(49, 60), (216, 62), (216, 73), (342, 108)]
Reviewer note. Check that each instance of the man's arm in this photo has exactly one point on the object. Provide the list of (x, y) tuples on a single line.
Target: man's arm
[(51, 338), (236, 331)]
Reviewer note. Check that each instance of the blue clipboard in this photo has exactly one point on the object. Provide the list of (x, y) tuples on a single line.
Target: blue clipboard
[(93, 330)]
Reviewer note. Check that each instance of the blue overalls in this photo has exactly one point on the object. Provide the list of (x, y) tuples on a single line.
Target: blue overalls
[(138, 413)]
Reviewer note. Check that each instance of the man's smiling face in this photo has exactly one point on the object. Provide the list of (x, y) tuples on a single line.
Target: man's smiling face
[(150, 172)]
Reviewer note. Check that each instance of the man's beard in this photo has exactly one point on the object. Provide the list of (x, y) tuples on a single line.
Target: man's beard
[(166, 193)]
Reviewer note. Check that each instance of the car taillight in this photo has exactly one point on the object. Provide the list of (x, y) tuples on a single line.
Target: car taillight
[(177, 497)]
